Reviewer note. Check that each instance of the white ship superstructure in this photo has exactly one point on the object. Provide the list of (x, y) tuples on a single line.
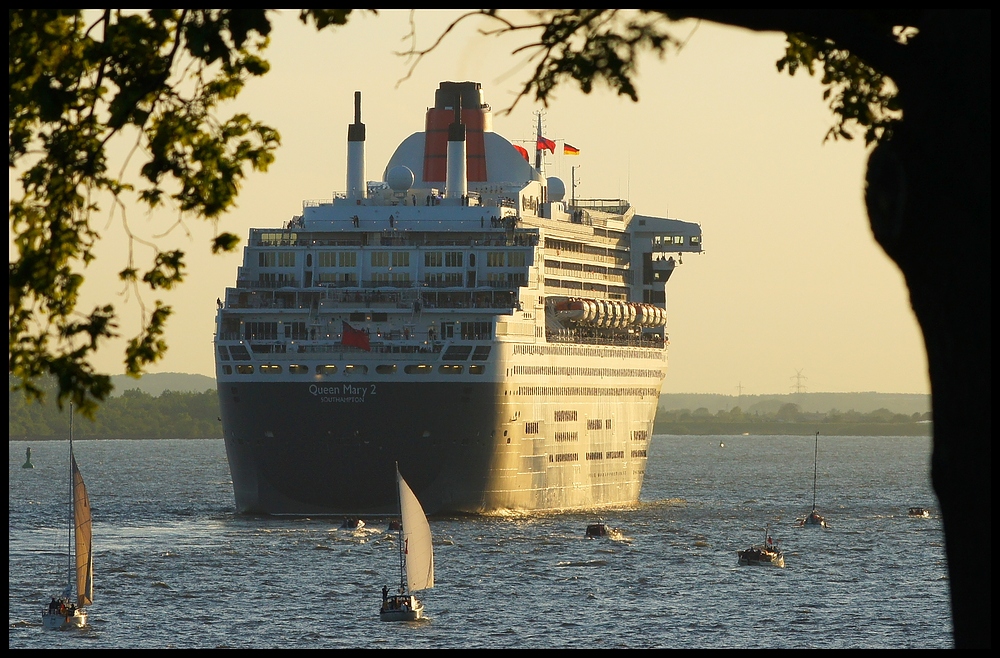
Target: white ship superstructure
[(506, 347)]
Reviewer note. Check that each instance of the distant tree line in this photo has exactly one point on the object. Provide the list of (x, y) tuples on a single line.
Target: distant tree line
[(790, 419), (132, 415)]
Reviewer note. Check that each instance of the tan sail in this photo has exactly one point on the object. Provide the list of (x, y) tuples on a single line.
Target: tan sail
[(416, 539), (84, 546)]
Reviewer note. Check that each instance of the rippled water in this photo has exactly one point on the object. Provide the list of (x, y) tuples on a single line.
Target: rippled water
[(176, 567)]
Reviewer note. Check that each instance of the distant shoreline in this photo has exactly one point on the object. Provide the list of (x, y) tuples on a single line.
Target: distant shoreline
[(705, 428), (710, 427)]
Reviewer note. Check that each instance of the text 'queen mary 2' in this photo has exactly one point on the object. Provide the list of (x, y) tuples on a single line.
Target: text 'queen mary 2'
[(504, 345)]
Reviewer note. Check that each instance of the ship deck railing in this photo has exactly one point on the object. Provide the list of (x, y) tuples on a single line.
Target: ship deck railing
[(488, 296), (616, 340)]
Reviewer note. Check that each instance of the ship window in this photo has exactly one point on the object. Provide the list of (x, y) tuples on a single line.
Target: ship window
[(359, 317), (433, 259), (482, 353), (239, 353), (297, 369), (352, 369), (515, 259), (494, 259), (245, 369), (385, 369), (452, 369), (418, 369), (227, 370), (476, 330), (260, 330), (223, 353), (270, 369), (453, 259), (473, 370), (457, 353), (380, 259), (296, 330), (380, 317), (531, 428), (326, 369), (400, 259)]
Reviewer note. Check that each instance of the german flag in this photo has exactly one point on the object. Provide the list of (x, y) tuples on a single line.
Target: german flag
[(569, 149)]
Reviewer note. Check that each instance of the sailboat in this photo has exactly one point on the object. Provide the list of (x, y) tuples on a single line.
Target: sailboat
[(814, 518), (416, 559), (68, 611)]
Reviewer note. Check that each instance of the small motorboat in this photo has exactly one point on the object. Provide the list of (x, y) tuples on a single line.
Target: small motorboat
[(764, 555), (597, 530), (919, 512)]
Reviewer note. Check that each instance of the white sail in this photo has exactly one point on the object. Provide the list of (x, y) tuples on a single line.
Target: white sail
[(416, 539)]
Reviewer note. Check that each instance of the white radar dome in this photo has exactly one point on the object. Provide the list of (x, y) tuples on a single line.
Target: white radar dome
[(400, 178), (557, 188)]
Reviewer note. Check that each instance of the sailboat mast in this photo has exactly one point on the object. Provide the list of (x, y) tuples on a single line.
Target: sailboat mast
[(402, 558), (70, 565), (815, 462)]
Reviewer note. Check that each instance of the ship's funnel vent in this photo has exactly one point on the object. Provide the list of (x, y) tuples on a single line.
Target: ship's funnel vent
[(356, 188), (457, 184)]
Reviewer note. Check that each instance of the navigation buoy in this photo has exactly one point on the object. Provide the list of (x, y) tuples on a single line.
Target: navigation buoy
[(27, 459)]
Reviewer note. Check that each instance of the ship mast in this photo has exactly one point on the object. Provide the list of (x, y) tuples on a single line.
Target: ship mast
[(539, 152)]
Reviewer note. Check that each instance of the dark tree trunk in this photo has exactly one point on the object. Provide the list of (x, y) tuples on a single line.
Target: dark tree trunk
[(929, 201)]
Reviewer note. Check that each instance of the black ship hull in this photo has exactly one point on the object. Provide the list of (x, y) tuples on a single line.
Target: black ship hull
[(332, 449)]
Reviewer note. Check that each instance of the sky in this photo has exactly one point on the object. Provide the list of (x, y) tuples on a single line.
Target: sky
[(792, 293)]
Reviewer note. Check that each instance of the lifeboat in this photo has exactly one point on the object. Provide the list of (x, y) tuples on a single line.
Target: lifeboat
[(649, 315), (614, 313), (629, 314), (571, 309)]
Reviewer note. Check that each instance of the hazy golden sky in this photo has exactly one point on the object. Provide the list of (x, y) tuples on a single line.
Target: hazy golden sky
[(791, 290)]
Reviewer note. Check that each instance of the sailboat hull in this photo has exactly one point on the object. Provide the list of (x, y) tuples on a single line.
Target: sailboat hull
[(58, 622), (401, 608)]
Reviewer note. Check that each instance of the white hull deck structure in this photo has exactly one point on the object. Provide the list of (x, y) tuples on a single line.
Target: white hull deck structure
[(460, 316)]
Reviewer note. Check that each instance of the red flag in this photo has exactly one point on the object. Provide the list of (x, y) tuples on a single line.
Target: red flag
[(355, 338), (523, 151), (544, 143)]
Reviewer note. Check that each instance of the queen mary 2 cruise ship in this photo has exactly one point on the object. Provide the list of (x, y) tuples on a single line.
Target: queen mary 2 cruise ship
[(504, 345)]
